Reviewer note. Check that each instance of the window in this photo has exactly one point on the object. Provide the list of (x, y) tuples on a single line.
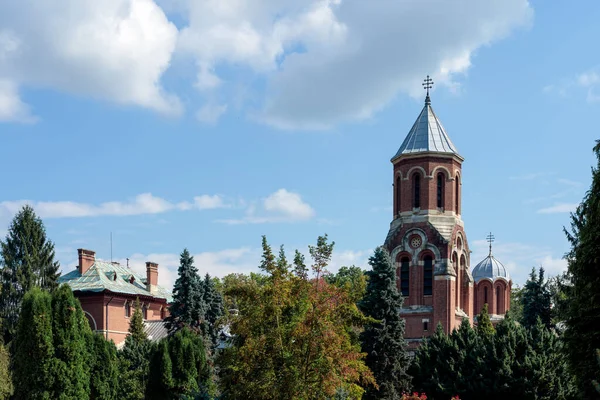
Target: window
[(398, 195), (145, 311), (425, 325), (485, 295), (498, 300), (440, 190), (417, 189), (127, 309), (404, 276), (163, 313), (428, 276), (457, 195)]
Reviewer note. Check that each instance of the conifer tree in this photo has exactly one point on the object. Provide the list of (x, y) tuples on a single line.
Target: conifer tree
[(70, 332), (384, 341), (6, 387), (161, 378), (136, 324), (188, 307), (135, 356), (582, 335), (213, 299), (536, 299), (484, 324), (104, 369), (33, 350), (26, 261)]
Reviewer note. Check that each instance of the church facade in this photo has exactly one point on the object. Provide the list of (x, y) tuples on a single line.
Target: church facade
[(427, 240)]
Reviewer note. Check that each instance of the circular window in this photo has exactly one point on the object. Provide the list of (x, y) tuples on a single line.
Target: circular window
[(415, 241)]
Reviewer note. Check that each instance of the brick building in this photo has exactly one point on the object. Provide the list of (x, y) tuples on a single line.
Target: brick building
[(107, 292), (427, 239)]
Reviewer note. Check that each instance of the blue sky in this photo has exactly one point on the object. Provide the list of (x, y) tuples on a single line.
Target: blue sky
[(206, 124)]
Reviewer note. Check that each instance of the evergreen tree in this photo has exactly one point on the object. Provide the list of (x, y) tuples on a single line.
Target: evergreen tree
[(33, 348), (537, 300), (484, 324), (26, 261), (104, 369), (188, 307), (136, 324), (213, 298), (6, 387), (70, 332), (582, 335), (161, 378), (384, 341)]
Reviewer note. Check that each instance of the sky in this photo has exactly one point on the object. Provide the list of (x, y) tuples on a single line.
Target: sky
[(204, 124)]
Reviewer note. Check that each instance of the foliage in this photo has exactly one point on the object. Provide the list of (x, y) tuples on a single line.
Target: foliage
[(136, 323), (188, 307), (26, 261), (293, 333), (484, 324), (383, 341), (134, 363), (516, 303), (513, 362), (582, 335), (161, 378), (213, 299), (536, 299), (104, 369), (6, 387), (353, 279)]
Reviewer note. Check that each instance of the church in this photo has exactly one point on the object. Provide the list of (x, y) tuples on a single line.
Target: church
[(427, 239)]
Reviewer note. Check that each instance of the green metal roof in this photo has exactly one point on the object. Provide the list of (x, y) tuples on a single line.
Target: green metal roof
[(115, 278)]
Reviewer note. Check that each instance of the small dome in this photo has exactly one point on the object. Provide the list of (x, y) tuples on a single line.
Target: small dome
[(490, 268)]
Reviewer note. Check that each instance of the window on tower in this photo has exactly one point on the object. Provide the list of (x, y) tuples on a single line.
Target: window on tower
[(485, 295), (440, 190), (398, 194), (404, 276), (417, 189), (428, 276), (457, 195), (498, 300)]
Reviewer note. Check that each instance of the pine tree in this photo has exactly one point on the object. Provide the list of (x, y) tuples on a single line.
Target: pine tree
[(136, 323), (26, 261), (188, 307), (582, 335), (484, 324), (213, 299), (536, 299), (104, 369), (384, 341), (70, 332)]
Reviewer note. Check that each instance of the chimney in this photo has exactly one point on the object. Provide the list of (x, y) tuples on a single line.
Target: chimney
[(151, 276), (87, 258)]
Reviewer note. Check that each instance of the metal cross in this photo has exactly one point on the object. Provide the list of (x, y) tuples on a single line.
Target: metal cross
[(427, 84), (490, 238)]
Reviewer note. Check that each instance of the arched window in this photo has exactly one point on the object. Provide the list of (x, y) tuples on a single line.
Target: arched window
[(417, 190), (145, 311), (398, 195), (457, 195), (440, 190), (498, 311), (485, 295), (163, 313), (404, 276), (428, 276)]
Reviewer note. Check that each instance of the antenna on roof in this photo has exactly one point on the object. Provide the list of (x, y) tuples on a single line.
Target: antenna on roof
[(427, 84), (490, 238), (111, 247), (128, 263)]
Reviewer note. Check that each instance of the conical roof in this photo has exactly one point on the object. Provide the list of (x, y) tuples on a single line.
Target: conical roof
[(427, 135)]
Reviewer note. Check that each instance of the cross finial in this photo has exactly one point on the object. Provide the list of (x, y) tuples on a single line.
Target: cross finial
[(490, 238), (427, 84)]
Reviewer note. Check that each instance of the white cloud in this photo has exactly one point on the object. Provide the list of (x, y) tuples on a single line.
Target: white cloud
[(11, 106), (115, 50), (144, 203), (210, 113), (559, 208), (588, 81), (281, 206)]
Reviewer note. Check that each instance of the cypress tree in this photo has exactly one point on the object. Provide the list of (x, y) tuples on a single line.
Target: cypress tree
[(582, 335), (384, 341), (536, 299), (104, 375), (26, 261), (161, 378), (71, 331), (188, 307), (33, 350)]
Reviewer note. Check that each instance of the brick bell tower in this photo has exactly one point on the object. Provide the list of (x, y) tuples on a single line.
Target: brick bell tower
[(427, 240)]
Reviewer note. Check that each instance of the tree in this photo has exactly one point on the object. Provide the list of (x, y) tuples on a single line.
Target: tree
[(537, 300), (484, 324), (33, 348), (292, 334), (26, 261), (213, 299), (353, 279), (161, 381), (188, 307), (582, 335), (383, 341), (136, 323), (6, 387), (104, 369)]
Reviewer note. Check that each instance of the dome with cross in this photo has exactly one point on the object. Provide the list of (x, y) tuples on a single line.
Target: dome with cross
[(489, 267)]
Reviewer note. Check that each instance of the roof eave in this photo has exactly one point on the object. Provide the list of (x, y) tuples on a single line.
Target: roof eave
[(418, 154)]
